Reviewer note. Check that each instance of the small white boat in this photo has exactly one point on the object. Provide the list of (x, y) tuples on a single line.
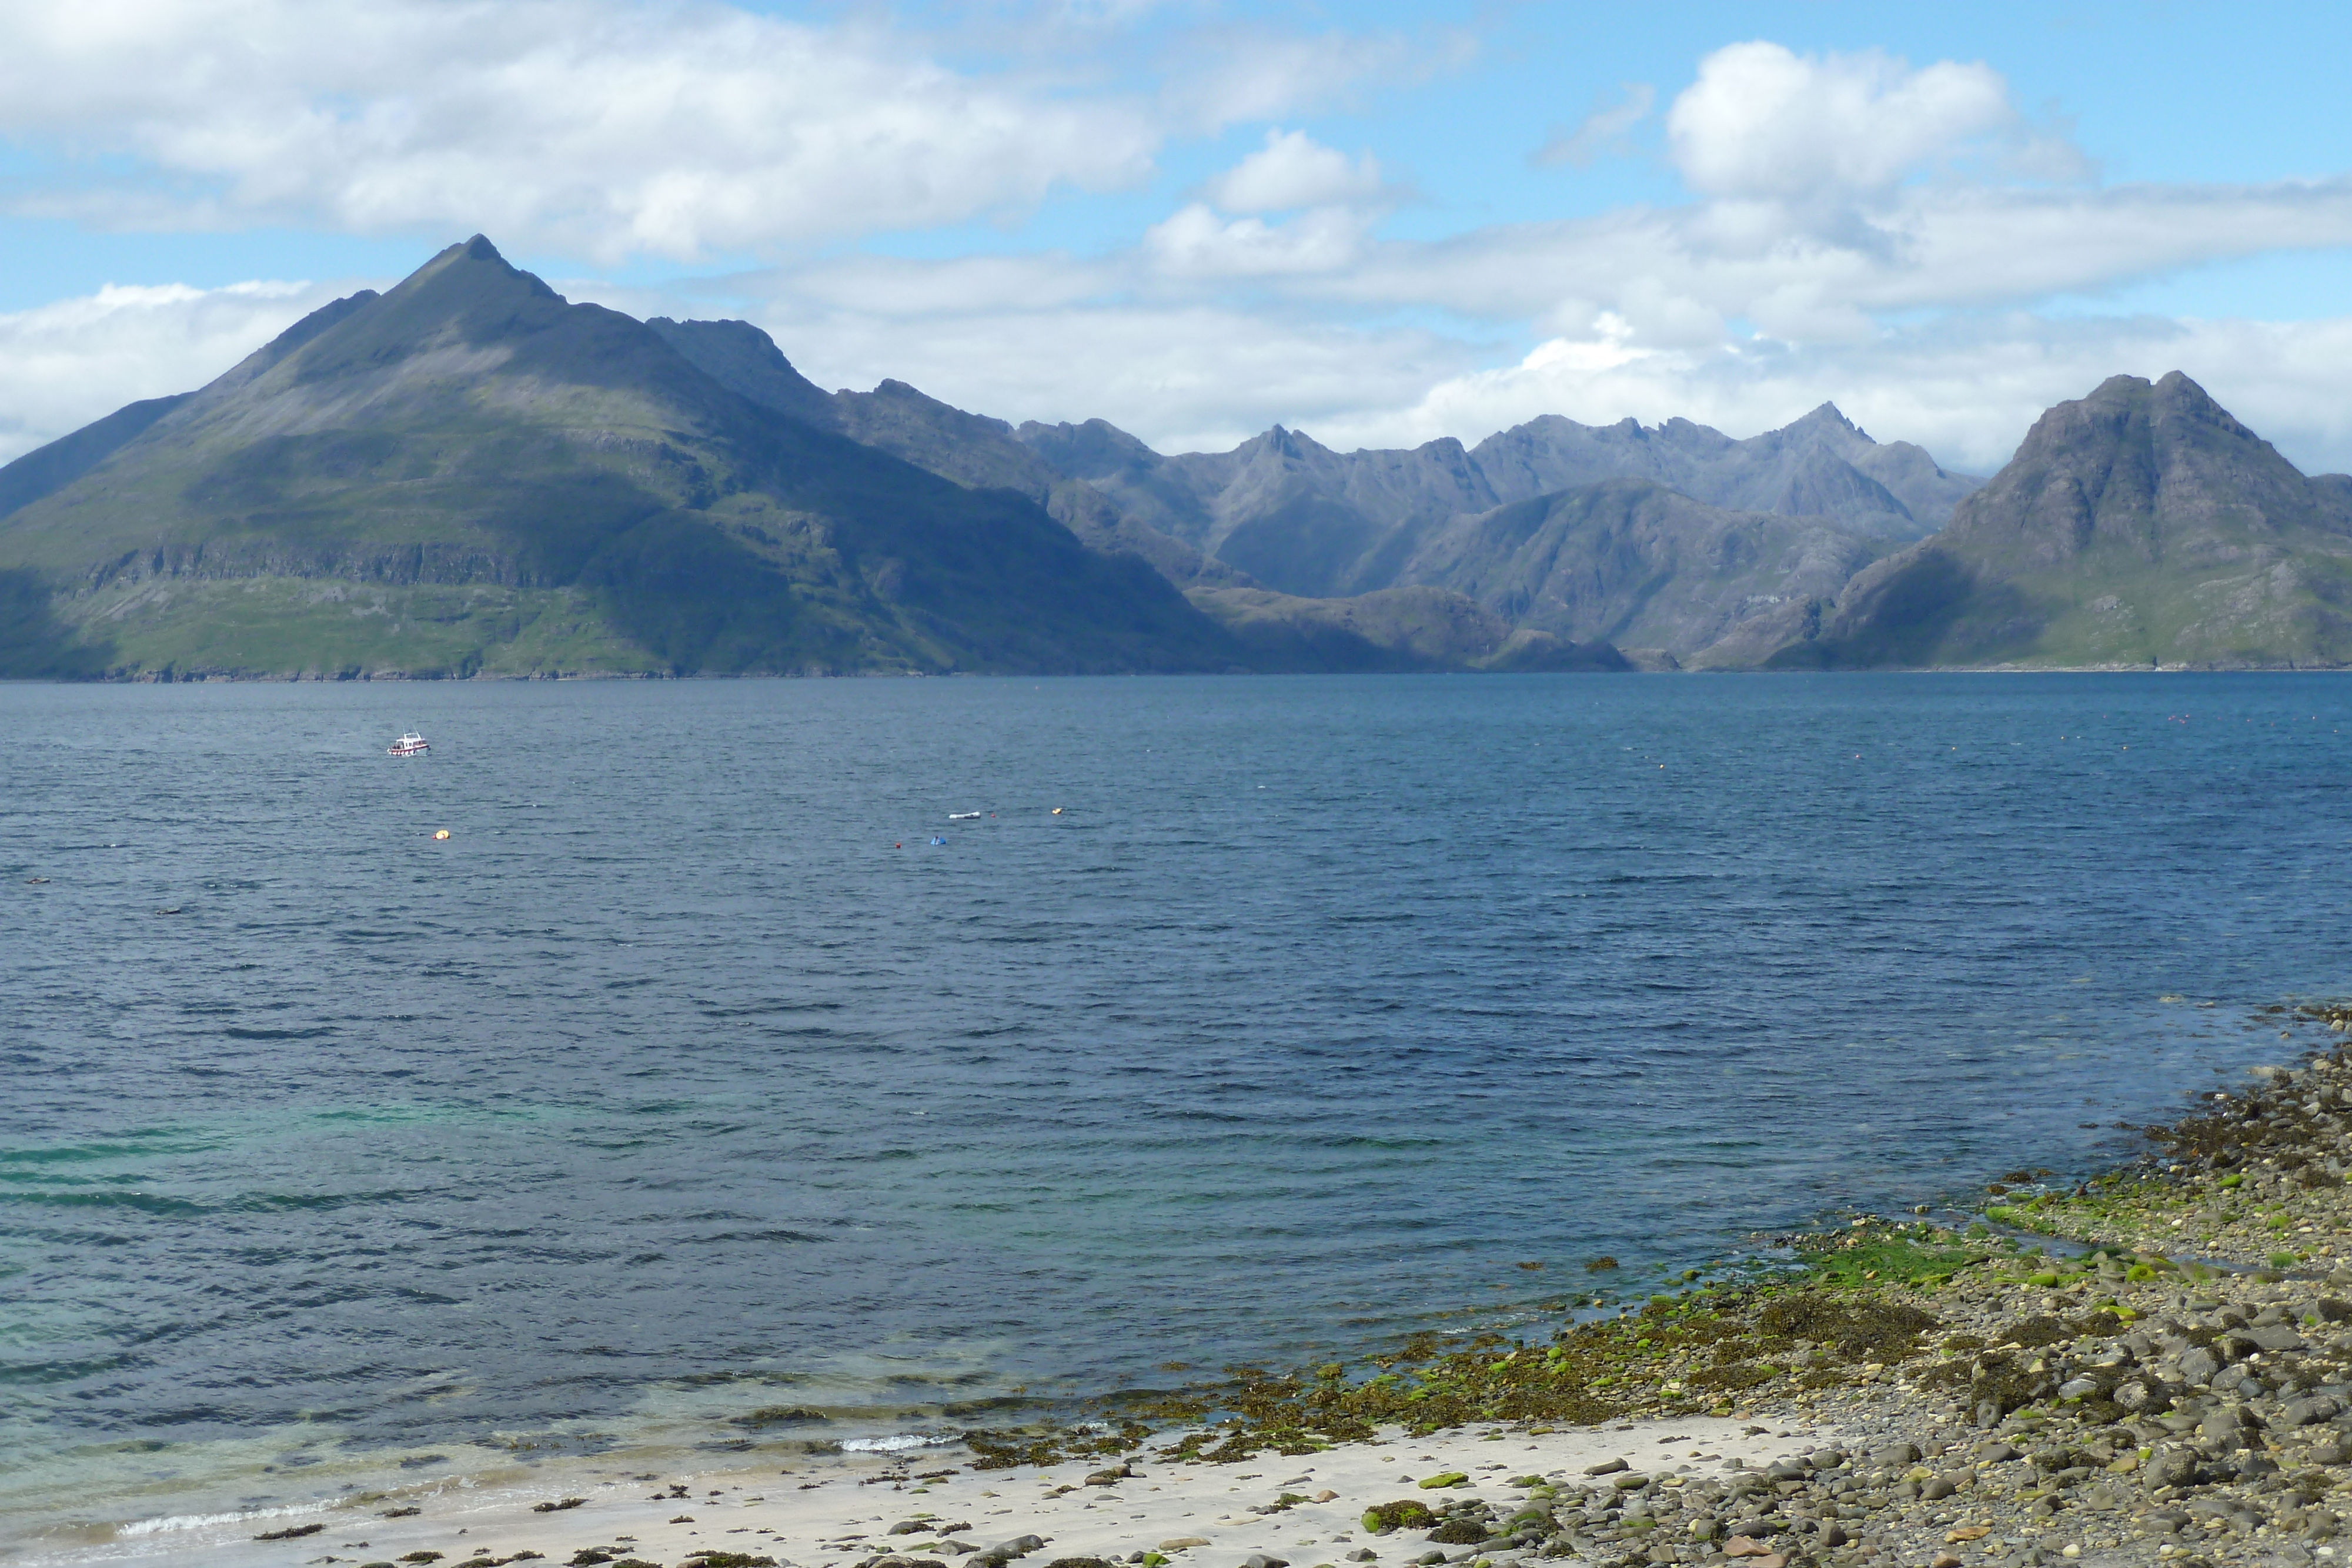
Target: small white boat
[(962, 816), (409, 745)]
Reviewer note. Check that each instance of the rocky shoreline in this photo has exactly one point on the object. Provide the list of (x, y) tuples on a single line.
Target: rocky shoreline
[(2179, 1389)]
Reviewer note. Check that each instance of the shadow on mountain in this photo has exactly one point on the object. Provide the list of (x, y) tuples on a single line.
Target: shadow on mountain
[(34, 644), (698, 601), (1927, 608)]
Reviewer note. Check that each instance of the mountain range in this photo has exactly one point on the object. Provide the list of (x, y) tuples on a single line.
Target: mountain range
[(468, 474)]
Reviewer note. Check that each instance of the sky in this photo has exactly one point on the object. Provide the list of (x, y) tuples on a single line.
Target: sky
[(1378, 224)]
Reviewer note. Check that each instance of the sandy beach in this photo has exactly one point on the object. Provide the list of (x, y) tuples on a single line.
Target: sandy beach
[(839, 1510)]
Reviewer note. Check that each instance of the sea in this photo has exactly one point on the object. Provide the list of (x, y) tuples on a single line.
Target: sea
[(890, 1055)]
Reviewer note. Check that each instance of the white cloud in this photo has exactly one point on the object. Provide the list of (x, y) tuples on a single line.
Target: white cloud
[(1198, 243), (1764, 122), (598, 127), (1293, 170), (1936, 247), (1602, 131), (69, 362)]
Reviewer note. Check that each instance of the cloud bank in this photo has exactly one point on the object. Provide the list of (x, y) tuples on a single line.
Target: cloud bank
[(1903, 239)]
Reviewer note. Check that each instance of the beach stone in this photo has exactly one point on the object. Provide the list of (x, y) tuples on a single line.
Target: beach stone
[(1178, 1542), (1898, 1454), (2221, 1425), (2275, 1337), (1260, 1560), (2199, 1365), (1606, 1468)]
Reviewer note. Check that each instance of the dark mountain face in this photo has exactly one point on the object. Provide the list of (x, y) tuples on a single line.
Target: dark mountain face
[(1632, 563), (1308, 521), (2140, 525), (469, 472)]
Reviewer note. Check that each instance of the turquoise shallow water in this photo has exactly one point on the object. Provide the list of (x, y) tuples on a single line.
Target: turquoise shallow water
[(688, 1077)]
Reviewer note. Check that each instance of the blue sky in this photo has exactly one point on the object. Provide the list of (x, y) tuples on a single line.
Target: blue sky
[(1198, 219)]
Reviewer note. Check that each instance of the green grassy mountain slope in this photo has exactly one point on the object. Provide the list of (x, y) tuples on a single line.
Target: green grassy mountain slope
[(469, 475), (2142, 525)]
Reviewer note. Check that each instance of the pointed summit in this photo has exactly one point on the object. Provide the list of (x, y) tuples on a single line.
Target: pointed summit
[(1828, 416)]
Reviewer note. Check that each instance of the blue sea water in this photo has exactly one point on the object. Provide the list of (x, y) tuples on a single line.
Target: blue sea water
[(689, 1075)]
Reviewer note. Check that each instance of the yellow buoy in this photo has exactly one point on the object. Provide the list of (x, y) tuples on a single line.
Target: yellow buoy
[(1058, 810), (440, 832)]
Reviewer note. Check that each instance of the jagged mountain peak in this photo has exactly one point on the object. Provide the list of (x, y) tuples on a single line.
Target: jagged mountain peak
[(461, 313), (2137, 465), (466, 280), (1282, 442), (2139, 524), (1827, 414)]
